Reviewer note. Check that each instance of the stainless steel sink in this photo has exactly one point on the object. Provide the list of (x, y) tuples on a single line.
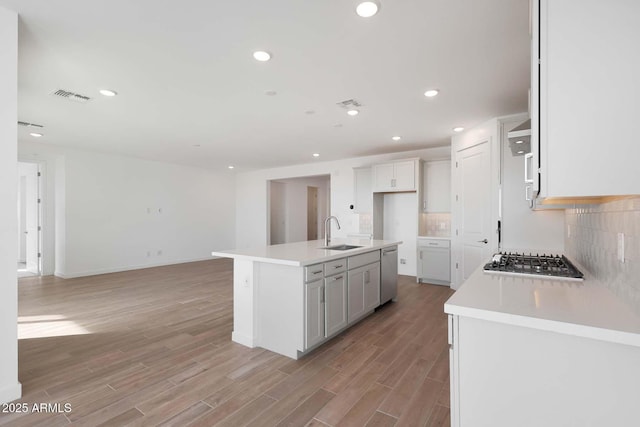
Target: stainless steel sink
[(340, 247)]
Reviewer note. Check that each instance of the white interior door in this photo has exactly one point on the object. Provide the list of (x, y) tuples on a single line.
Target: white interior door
[(474, 200)]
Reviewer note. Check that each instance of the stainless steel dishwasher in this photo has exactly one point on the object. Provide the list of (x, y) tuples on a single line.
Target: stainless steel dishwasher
[(389, 274)]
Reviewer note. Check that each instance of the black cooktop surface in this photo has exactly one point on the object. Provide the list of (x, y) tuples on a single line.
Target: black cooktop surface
[(542, 265)]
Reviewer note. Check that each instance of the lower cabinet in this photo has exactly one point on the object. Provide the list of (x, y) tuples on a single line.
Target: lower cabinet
[(315, 313), (336, 296), (363, 290), (335, 292)]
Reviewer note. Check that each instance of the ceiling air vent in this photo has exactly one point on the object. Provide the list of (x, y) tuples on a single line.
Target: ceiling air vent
[(349, 104), (71, 96), (29, 125)]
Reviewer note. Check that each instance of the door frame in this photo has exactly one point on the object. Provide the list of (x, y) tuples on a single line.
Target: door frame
[(46, 255)]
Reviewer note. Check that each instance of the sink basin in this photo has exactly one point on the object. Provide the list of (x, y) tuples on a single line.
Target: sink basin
[(340, 247)]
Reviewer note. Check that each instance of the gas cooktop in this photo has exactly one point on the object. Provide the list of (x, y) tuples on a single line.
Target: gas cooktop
[(555, 266)]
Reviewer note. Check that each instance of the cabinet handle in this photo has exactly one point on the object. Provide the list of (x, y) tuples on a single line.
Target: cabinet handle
[(338, 266), (322, 295), (433, 244), (337, 278), (316, 272), (420, 252), (367, 277)]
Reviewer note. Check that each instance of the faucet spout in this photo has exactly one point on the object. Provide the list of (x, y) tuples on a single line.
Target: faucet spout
[(327, 229)]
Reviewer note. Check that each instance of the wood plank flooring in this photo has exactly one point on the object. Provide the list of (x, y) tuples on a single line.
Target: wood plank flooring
[(153, 347)]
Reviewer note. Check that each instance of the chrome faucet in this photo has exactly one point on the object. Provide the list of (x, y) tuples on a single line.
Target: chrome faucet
[(327, 227)]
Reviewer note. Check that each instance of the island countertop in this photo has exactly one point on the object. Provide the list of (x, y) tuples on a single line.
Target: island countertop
[(304, 253)]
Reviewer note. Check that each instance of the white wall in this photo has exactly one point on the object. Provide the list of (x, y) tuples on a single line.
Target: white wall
[(9, 386), (251, 193), (523, 228), (115, 213)]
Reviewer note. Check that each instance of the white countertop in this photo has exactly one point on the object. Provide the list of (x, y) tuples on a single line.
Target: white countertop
[(305, 253), (585, 309), (435, 237)]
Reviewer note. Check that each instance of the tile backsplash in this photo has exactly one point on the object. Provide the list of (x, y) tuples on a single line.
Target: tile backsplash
[(435, 224), (591, 238)]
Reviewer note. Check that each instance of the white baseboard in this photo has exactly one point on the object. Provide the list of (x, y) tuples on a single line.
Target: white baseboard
[(10, 393), (242, 339), (127, 268)]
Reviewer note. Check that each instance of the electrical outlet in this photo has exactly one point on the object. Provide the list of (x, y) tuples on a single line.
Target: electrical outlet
[(148, 253), (160, 252), (403, 261)]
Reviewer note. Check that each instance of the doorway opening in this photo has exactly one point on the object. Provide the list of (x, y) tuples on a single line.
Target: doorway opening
[(297, 208), (29, 220)]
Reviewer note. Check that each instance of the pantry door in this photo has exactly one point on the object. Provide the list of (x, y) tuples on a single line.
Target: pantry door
[(473, 199)]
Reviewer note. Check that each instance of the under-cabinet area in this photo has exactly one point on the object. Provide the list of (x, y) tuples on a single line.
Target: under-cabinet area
[(291, 298), (434, 256)]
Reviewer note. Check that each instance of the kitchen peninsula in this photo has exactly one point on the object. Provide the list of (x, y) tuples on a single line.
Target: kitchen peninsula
[(290, 298)]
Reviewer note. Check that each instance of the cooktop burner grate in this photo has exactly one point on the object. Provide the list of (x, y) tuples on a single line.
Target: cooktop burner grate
[(539, 265)]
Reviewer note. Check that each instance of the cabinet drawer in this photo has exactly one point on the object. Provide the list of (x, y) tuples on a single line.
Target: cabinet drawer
[(313, 272), (434, 243), (364, 259), (335, 267)]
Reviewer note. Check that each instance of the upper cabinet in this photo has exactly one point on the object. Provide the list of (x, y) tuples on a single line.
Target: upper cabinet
[(584, 103), (362, 190), (436, 188), (395, 176)]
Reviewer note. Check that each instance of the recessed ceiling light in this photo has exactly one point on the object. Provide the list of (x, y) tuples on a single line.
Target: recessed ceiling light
[(431, 93), (396, 138), (35, 134), (261, 56), (519, 141), (458, 129), (353, 112), (521, 152), (231, 167), (316, 154), (367, 9), (108, 92)]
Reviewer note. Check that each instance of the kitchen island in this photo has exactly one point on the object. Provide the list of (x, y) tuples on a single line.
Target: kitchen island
[(290, 298), (542, 352)]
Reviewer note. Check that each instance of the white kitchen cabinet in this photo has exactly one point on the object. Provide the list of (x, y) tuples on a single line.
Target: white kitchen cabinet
[(436, 188), (434, 261), (502, 375), (363, 290), (314, 325), (395, 176), (362, 190), (584, 97), (335, 292)]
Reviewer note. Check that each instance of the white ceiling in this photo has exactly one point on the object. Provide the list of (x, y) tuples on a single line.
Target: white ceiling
[(185, 75)]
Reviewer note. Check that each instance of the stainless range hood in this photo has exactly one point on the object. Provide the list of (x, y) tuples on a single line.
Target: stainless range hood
[(520, 139)]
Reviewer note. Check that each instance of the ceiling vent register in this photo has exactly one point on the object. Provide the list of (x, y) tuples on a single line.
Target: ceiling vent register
[(29, 125), (349, 104), (71, 96)]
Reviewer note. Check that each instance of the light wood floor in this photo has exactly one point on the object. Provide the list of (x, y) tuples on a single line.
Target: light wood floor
[(153, 347)]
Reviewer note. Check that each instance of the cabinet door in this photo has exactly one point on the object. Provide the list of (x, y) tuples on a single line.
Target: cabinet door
[(437, 186), (355, 286), (383, 177), (371, 286), (314, 316), (434, 264), (335, 303), (589, 89), (362, 190), (404, 176)]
